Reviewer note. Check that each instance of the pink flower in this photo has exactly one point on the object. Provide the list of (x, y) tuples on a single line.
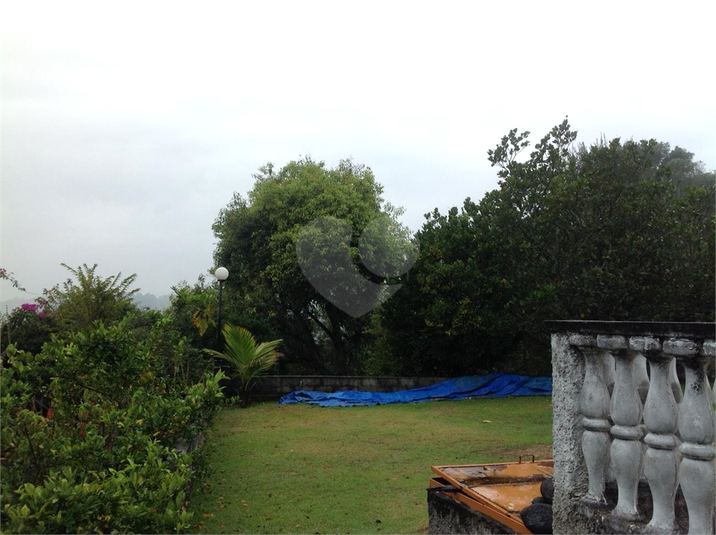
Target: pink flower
[(34, 307)]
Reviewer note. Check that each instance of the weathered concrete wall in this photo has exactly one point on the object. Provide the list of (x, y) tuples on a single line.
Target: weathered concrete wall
[(273, 386), (448, 516), (570, 472)]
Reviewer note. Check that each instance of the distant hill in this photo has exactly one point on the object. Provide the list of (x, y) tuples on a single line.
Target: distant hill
[(142, 300), (151, 301)]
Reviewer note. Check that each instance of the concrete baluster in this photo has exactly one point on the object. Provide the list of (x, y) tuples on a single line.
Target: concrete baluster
[(609, 367), (594, 406), (609, 371), (641, 382), (641, 377), (661, 464), (696, 427), (709, 351), (675, 384), (626, 412)]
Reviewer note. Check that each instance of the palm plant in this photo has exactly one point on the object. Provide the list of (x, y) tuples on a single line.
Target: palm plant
[(248, 359)]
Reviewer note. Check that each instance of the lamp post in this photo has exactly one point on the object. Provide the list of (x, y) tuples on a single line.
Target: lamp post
[(221, 275)]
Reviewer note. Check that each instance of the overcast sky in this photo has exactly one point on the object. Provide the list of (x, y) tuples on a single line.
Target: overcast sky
[(127, 126)]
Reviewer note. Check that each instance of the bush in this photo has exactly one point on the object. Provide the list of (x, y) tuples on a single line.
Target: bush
[(90, 430), (27, 327), (140, 498)]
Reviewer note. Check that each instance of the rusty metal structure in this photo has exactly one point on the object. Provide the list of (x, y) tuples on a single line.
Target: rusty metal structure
[(499, 490)]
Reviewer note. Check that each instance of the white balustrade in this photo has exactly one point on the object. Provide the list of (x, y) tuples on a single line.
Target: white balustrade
[(638, 424)]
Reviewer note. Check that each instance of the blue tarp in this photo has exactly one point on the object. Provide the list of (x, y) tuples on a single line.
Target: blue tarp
[(495, 385)]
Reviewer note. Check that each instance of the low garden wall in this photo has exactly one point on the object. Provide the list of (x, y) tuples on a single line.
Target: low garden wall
[(275, 386)]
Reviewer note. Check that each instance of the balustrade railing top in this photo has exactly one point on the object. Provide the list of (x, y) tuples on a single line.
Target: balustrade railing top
[(698, 330), (620, 416)]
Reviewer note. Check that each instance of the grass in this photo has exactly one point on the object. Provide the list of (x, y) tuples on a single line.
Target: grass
[(305, 469)]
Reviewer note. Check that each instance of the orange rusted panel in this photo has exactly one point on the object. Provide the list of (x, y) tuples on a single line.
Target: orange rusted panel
[(511, 497), (498, 473), (499, 490)]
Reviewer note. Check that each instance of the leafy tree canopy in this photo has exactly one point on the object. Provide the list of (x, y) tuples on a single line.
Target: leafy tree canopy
[(613, 231), (258, 239)]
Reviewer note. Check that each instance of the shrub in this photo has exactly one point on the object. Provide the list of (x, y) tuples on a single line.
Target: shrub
[(27, 327), (90, 427)]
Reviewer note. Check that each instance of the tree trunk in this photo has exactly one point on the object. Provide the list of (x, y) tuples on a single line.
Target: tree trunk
[(339, 347), (244, 396)]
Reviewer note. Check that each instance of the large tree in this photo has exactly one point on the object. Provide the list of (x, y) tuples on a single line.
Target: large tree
[(292, 249), (614, 231)]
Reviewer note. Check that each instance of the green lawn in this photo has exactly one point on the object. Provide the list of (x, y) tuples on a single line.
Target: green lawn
[(305, 469)]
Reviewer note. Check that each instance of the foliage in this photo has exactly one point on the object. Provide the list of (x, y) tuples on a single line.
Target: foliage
[(194, 309), (146, 497), (89, 430), (614, 231), (249, 359), (10, 277), (191, 317), (95, 414), (258, 239), (5, 335), (76, 305), (28, 327)]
